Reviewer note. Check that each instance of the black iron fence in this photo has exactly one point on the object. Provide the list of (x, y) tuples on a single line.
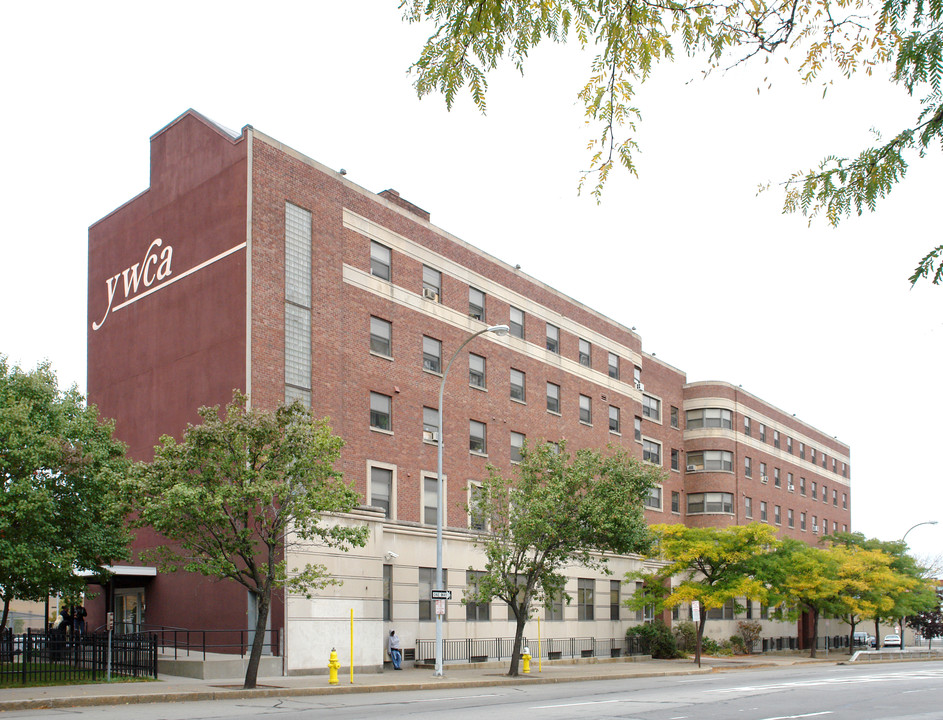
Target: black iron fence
[(484, 649), (183, 641), (781, 644), (52, 656)]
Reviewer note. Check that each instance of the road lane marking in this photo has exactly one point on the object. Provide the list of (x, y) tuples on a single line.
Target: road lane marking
[(793, 717), (563, 705)]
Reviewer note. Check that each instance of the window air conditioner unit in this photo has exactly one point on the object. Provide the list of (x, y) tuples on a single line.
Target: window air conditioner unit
[(764, 479), (430, 294), (815, 528), (431, 436), (639, 386), (692, 468), (791, 487)]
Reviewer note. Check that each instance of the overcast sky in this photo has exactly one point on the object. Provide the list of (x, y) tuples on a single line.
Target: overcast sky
[(817, 321)]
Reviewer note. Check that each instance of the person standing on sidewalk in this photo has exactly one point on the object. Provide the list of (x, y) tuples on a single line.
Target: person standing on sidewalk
[(396, 654)]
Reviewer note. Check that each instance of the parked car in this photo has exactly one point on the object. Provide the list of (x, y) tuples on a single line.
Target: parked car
[(892, 641)]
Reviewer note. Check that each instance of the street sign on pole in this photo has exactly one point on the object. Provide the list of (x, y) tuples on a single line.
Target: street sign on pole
[(441, 594), (440, 607)]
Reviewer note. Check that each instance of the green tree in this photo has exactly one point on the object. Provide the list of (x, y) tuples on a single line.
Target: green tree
[(60, 512), (239, 492), (471, 37), (929, 622), (556, 512), (711, 565)]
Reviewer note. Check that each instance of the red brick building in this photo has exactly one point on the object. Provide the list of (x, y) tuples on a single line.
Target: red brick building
[(248, 265)]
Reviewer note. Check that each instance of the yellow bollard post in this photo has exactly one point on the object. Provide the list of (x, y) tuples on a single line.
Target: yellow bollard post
[(526, 658), (333, 666)]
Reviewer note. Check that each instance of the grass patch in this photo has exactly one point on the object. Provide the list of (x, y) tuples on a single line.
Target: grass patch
[(51, 674)]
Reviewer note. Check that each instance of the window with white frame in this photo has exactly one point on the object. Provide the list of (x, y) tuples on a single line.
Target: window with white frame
[(777, 482), (802, 486), (776, 515), (653, 499), (381, 489), (638, 428), (789, 445), (763, 476), (431, 354), (477, 437), (747, 466), (586, 409), (553, 398), (381, 337), (585, 353), (802, 521), (431, 284), (387, 593), (516, 322), (615, 419), (613, 366), (553, 338), (747, 426), (517, 442), (762, 432), (762, 511), (585, 599), (674, 417), (651, 408), (476, 304), (790, 518), (426, 586), (430, 424), (381, 411), (651, 451), (710, 460), (748, 508), (476, 511), (553, 608), (615, 599), (380, 260), (708, 418), (430, 500), (802, 451), (675, 501), (776, 438), (475, 611), (675, 459), (710, 502), (476, 371), (844, 501), (518, 385)]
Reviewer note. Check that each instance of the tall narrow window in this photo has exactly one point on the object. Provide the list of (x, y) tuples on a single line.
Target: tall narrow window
[(477, 437), (553, 338), (638, 429), (776, 481), (615, 599), (431, 354), (381, 411), (789, 445), (585, 599), (518, 385), (747, 426), (747, 467), (615, 419), (380, 260), (553, 398), (476, 304), (776, 438), (381, 337), (762, 511), (475, 611), (585, 357), (748, 507), (613, 366), (431, 284), (381, 489), (430, 500), (426, 586), (476, 514), (675, 459), (790, 518), (586, 409), (674, 416), (516, 323), (387, 593), (762, 432), (476, 371), (675, 501), (297, 305), (517, 442), (430, 424)]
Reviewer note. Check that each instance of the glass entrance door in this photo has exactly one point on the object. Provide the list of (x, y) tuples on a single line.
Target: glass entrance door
[(129, 610)]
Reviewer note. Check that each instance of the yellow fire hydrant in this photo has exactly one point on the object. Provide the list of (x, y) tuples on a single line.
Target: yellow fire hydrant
[(526, 658), (333, 666)]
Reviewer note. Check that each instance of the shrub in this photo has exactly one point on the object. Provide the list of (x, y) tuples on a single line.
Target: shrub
[(656, 638), (709, 646), (749, 632), (685, 633)]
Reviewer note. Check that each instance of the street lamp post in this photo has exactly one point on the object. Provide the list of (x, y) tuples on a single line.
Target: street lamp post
[(497, 330), (903, 541)]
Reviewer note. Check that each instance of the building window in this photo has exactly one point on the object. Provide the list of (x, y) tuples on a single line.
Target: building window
[(763, 476), (815, 490), (430, 424), (585, 598), (812, 455), (762, 432), (431, 284), (476, 371), (653, 499), (824, 526), (789, 445), (844, 501), (647, 613), (553, 398), (430, 500), (790, 485), (675, 459), (834, 465), (747, 467), (815, 524), (615, 421), (517, 442), (476, 515), (586, 409), (516, 323), (674, 416), (762, 511), (802, 451), (776, 438), (710, 460), (477, 437), (431, 354), (675, 501), (790, 518), (844, 470), (585, 356), (637, 377), (802, 486), (613, 366), (476, 304), (387, 593), (638, 429), (747, 426), (426, 586), (824, 461), (381, 411), (518, 386), (615, 592), (748, 507), (776, 515), (835, 498), (553, 608), (711, 502), (802, 521), (776, 480), (708, 418), (553, 338), (651, 408), (379, 260), (475, 611), (381, 337), (381, 489), (651, 451)]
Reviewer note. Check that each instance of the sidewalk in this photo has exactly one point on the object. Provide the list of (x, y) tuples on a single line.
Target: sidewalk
[(177, 689)]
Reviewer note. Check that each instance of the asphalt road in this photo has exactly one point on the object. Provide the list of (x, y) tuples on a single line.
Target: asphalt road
[(912, 691)]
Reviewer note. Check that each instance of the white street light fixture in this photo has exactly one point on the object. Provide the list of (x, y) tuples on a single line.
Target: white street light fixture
[(497, 330)]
